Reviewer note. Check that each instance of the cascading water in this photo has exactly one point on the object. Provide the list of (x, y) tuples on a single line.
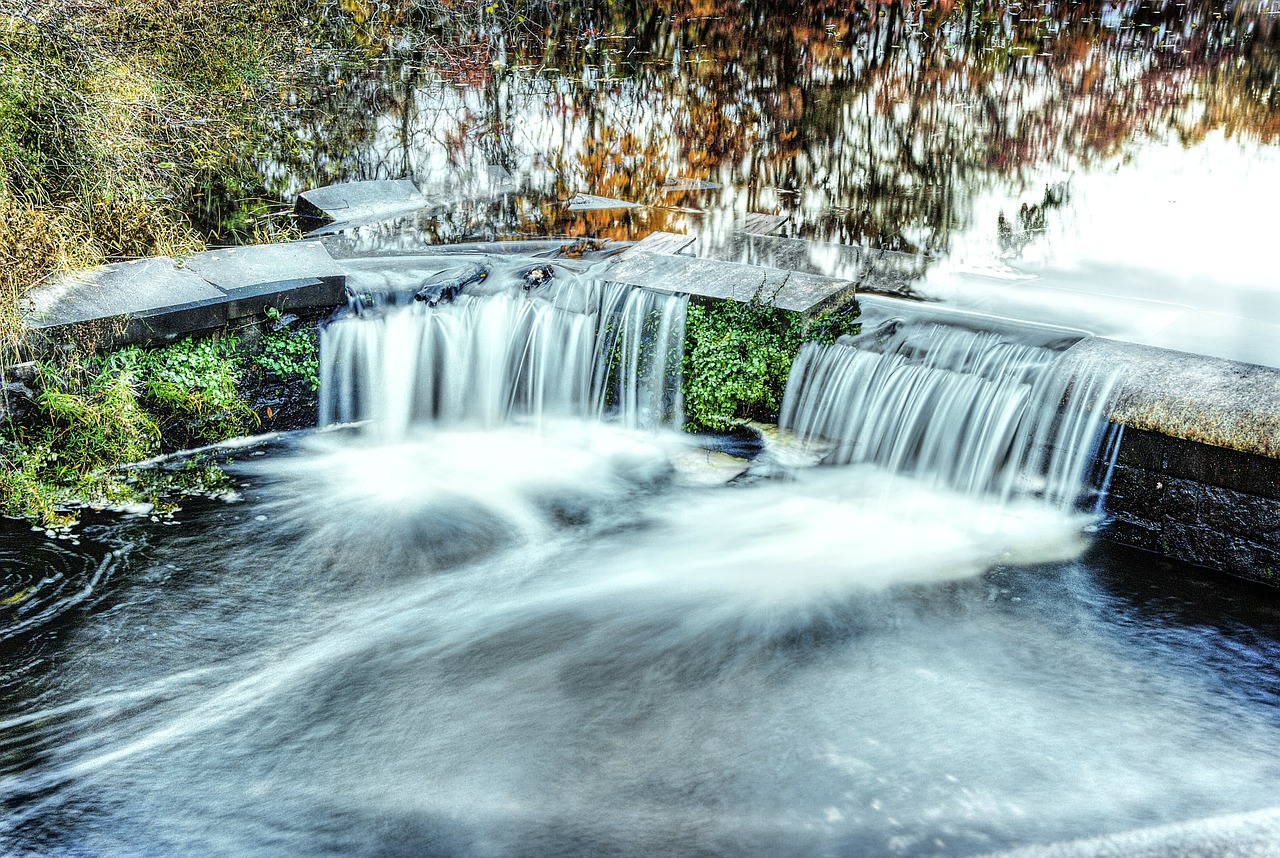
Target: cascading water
[(566, 346), (974, 411), (484, 640)]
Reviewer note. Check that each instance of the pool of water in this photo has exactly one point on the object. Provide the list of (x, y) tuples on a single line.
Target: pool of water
[(1103, 168), (566, 642)]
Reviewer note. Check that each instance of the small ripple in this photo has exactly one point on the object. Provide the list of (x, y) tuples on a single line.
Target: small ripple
[(41, 579)]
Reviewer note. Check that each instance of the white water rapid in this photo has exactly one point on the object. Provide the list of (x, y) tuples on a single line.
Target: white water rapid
[(573, 346), (974, 411)]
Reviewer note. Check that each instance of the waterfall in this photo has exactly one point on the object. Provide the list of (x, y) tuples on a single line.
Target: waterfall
[(974, 411), (504, 349)]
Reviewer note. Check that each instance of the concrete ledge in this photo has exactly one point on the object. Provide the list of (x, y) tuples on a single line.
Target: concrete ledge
[(162, 298), (710, 278), (1197, 474), (1207, 400)]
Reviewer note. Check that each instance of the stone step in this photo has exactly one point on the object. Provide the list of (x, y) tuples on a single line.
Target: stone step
[(711, 278)]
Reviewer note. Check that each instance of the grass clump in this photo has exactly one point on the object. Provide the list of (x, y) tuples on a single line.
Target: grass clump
[(88, 421), (738, 355), (92, 418)]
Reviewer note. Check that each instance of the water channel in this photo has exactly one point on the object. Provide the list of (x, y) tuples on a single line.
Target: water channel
[(538, 621)]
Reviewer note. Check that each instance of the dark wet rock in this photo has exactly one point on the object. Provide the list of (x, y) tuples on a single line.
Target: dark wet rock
[(16, 401), (1208, 506), (537, 277), (446, 287)]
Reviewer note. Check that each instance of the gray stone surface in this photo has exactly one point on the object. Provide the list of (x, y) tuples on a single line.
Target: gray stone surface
[(590, 202), (119, 289), (682, 183), (1211, 401), (709, 278), (670, 243), (238, 268), (763, 224), (160, 298), (352, 202)]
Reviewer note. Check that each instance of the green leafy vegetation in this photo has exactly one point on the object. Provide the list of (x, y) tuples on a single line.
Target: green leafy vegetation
[(192, 386), (738, 355), (89, 420), (93, 417), (290, 353)]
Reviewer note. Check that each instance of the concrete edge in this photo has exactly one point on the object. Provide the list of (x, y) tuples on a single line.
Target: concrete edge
[(1205, 400)]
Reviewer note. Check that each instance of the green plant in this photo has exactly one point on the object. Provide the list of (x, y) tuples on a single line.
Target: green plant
[(89, 421), (290, 353), (738, 356), (192, 383)]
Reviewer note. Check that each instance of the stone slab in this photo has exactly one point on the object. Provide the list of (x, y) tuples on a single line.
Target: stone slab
[(710, 278), (670, 243), (119, 289), (683, 183), (590, 202), (760, 223), (1210, 401), (236, 268), (360, 201), (161, 298)]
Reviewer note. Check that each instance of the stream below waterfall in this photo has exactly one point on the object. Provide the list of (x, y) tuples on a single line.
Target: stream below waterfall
[(535, 620), (515, 643)]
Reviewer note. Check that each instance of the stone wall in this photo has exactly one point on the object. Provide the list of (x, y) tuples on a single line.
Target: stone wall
[(1208, 506)]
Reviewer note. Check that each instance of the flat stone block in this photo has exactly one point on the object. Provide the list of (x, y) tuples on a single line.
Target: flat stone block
[(358, 201), (669, 243), (120, 289), (710, 278), (237, 268), (589, 202), (682, 183), (1210, 401), (760, 223), (302, 294)]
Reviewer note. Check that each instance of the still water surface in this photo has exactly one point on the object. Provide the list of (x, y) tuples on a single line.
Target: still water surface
[(1108, 167)]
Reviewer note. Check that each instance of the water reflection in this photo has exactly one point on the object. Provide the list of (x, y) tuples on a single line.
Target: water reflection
[(870, 124)]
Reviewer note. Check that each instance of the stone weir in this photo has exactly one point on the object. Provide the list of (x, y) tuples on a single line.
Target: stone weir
[(1197, 474), (1196, 477)]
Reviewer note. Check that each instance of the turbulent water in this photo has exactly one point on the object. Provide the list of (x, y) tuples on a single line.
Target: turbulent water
[(978, 412), (550, 637), (571, 346)]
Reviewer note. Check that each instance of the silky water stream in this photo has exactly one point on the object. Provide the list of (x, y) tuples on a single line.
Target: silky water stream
[(490, 610)]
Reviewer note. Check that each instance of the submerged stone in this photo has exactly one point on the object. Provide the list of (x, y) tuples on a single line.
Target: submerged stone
[(447, 289), (351, 202), (682, 183), (590, 202)]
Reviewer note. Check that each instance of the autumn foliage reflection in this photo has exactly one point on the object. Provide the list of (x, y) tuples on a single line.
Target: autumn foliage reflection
[(871, 123)]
